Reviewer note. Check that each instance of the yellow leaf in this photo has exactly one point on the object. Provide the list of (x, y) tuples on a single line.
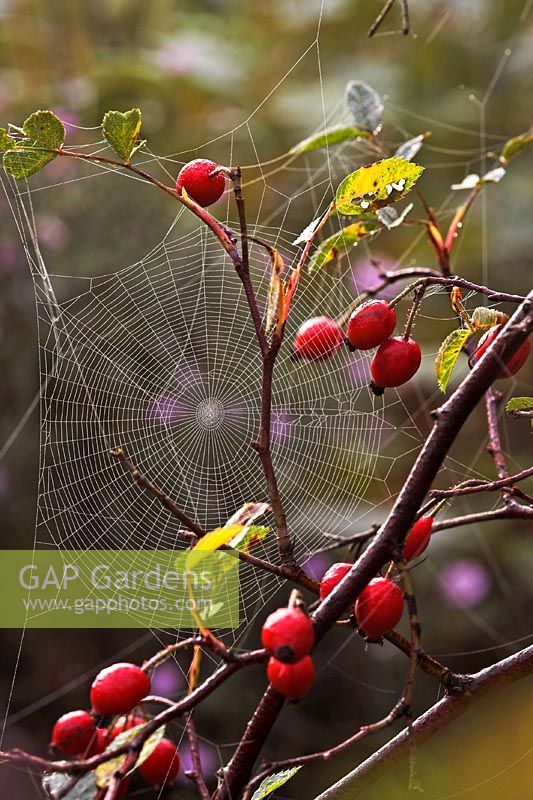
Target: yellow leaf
[(211, 542)]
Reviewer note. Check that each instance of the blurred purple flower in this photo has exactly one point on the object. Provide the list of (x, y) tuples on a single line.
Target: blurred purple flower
[(52, 231), (358, 370), (166, 680), (365, 276), (316, 565), (166, 409), (464, 583), (11, 255), (67, 116), (204, 57), (208, 759)]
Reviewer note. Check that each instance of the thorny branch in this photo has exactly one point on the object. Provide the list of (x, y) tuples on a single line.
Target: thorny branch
[(449, 419)]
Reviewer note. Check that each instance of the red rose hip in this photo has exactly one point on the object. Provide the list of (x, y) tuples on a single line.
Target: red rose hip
[(417, 539), (318, 338), (125, 724), (379, 607), (395, 362), (370, 324), (162, 766), (515, 363), (291, 680), (73, 733), (118, 689), (200, 184), (288, 634), (332, 577), (99, 743)]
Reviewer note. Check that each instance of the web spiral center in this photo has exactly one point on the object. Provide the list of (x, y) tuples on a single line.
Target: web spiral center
[(210, 413)]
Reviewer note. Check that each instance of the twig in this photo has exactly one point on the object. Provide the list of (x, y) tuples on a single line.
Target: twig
[(383, 13), (517, 512), (196, 774), (481, 685), (326, 755), (165, 501), (220, 232), (281, 570), (482, 486), (494, 448), (243, 268), (414, 649), (452, 681), (262, 447)]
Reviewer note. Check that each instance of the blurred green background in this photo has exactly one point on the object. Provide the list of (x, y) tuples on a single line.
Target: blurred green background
[(269, 72)]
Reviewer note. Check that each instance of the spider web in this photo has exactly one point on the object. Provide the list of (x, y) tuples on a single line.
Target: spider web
[(159, 357)]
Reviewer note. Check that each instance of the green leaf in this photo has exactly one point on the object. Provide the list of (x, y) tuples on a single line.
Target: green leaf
[(44, 133), (448, 355), (365, 105), (340, 242), (248, 537), (274, 782), (410, 148), (85, 788), (515, 146), (328, 138), (122, 131), (43, 128), (519, 404), (25, 161), (377, 185), (105, 771), (6, 142)]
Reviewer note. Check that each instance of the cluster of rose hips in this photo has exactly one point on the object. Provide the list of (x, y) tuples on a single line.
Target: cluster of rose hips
[(288, 633), (115, 693), (371, 325), (397, 358)]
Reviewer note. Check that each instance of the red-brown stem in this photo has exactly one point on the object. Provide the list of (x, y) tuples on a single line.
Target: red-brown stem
[(458, 219), (475, 486), (196, 773), (207, 218), (243, 268), (262, 446), (494, 448)]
